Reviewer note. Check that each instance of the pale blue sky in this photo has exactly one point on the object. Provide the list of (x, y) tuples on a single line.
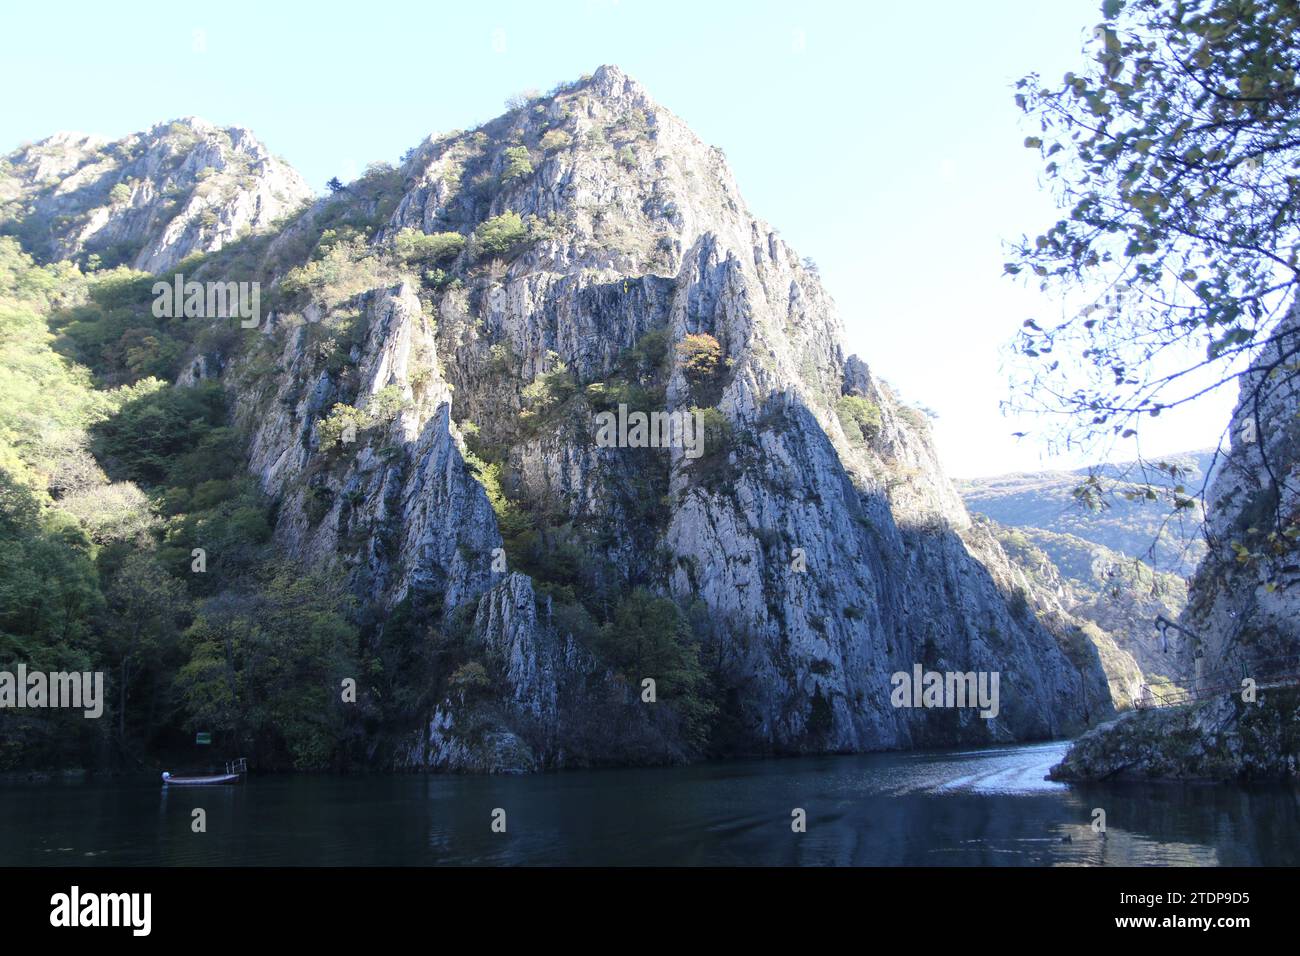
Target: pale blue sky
[(879, 137)]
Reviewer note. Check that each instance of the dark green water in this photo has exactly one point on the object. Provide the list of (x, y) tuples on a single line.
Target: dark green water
[(983, 807)]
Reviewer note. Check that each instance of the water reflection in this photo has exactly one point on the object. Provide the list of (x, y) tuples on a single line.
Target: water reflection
[(981, 807)]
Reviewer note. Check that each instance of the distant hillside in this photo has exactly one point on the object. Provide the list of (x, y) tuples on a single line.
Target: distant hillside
[(1138, 528), (1118, 593)]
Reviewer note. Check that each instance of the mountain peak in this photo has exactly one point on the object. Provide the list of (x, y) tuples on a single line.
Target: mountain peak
[(68, 138), (149, 199), (610, 81)]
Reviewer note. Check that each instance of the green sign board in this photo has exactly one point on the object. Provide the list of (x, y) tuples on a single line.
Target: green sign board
[(203, 737)]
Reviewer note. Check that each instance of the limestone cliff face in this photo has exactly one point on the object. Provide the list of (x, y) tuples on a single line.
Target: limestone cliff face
[(148, 200), (816, 555), (1245, 598), (1243, 609)]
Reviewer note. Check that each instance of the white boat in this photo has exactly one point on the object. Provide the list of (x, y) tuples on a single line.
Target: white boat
[(235, 769), (219, 778)]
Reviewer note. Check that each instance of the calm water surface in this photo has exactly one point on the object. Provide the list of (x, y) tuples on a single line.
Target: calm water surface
[(972, 808)]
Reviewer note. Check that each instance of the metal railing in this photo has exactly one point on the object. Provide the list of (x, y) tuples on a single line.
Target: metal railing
[(1267, 672)]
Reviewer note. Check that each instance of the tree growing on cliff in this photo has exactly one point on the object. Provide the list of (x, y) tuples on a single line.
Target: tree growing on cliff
[(414, 247), (518, 165), (1174, 154), (648, 637), (499, 235), (700, 355)]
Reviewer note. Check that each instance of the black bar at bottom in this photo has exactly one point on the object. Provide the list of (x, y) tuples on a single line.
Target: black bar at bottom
[(337, 905)]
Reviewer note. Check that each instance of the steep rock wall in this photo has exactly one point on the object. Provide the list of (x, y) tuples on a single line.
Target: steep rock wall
[(638, 230)]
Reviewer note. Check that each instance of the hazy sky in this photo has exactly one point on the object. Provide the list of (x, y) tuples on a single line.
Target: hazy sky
[(880, 138)]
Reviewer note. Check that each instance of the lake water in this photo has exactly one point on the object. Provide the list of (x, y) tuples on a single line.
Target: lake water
[(973, 807)]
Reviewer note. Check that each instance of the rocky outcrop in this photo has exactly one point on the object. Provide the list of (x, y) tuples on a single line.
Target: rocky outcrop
[(1221, 739), (817, 554), (1245, 598), (148, 200), (1057, 604), (1243, 615)]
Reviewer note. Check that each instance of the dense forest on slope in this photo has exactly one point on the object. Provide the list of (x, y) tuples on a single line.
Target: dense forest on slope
[(106, 490)]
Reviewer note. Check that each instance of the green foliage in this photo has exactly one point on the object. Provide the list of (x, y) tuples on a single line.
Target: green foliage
[(335, 339), (116, 334), (512, 521), (265, 669), (331, 430), (146, 609), (408, 661), (518, 166), (1173, 156), (381, 408), (914, 417), (159, 427), (1120, 594), (555, 139), (45, 400), (93, 579), (440, 278), (62, 581), (859, 417), (501, 360), (634, 121), (717, 433), (346, 267), (649, 637), (469, 680), (427, 249), (639, 380), (499, 235), (48, 588), (537, 229), (49, 596), (385, 404), (520, 100), (234, 531), (547, 392), (649, 353)]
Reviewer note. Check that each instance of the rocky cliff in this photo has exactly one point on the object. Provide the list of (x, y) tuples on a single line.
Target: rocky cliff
[(148, 200), (420, 401), (822, 554), (1245, 597), (1109, 620), (1243, 615)]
